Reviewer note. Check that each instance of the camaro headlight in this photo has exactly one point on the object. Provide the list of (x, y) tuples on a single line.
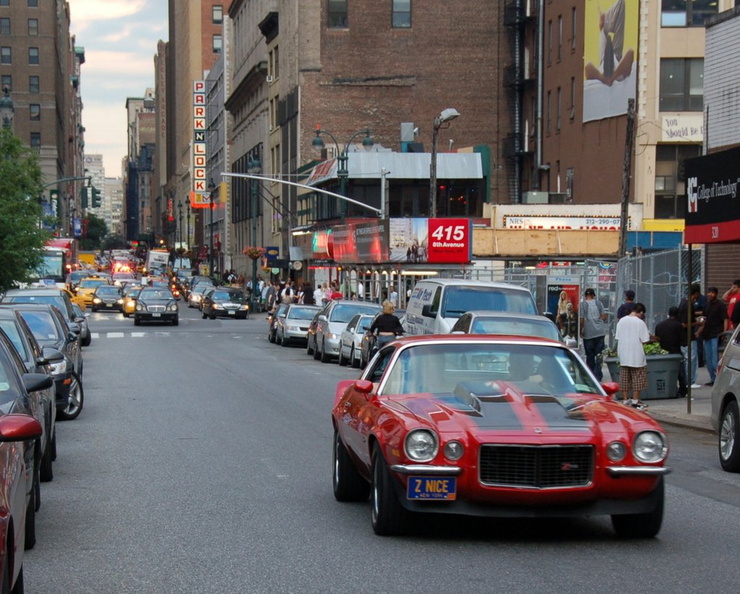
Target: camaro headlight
[(616, 451), (421, 445), (453, 450), (649, 446)]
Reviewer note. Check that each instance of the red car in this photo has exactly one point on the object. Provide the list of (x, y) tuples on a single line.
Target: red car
[(494, 426)]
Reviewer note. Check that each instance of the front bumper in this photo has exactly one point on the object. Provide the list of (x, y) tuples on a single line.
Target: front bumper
[(156, 316)]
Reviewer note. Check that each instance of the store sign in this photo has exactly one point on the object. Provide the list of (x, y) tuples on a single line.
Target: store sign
[(713, 197), (564, 223)]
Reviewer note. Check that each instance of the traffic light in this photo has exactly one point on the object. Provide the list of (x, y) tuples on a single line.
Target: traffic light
[(84, 196), (97, 199)]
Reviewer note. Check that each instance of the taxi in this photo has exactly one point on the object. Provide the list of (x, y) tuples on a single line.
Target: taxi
[(130, 295), (86, 287)]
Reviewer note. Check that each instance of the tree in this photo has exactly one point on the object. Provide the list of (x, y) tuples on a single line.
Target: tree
[(96, 231), (21, 238)]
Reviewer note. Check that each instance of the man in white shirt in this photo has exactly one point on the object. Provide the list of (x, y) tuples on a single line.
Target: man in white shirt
[(631, 334)]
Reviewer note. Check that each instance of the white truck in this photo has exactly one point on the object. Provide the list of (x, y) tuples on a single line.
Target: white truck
[(156, 262)]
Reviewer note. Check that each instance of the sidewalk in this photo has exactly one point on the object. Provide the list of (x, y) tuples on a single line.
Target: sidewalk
[(673, 411)]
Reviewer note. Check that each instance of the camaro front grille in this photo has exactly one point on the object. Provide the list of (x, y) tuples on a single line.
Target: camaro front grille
[(536, 467)]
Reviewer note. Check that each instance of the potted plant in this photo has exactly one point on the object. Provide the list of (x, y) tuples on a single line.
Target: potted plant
[(662, 370), (255, 253)]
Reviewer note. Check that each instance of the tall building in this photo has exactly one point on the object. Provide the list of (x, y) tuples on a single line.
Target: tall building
[(40, 67), (139, 181)]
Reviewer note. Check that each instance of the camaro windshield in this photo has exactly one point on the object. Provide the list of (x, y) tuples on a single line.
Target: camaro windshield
[(488, 369)]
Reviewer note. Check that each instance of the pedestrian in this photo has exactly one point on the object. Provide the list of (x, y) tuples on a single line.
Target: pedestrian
[(730, 297), (715, 323), (629, 303), (593, 331), (672, 336), (386, 325), (308, 294), (631, 334), (286, 294), (687, 314), (335, 292)]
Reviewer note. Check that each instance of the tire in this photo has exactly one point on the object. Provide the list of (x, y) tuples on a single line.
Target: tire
[(76, 400), (323, 357), (309, 350), (284, 341), (341, 361), (729, 438), (46, 471), (30, 538), (87, 340), (642, 525), (347, 482), (137, 321), (212, 316), (203, 316), (316, 352), (387, 515), (353, 360)]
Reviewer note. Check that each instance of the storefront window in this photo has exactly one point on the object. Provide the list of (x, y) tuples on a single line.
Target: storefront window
[(670, 179)]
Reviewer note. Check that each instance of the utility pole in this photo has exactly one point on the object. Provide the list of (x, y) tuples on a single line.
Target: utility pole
[(626, 174)]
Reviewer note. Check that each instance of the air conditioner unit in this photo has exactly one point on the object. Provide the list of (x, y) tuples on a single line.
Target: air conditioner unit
[(270, 78)]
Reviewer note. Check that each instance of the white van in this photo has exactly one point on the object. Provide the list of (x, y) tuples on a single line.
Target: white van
[(436, 304)]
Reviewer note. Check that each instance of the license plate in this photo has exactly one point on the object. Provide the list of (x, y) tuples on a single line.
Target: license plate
[(108, 305), (156, 315), (231, 313), (432, 487)]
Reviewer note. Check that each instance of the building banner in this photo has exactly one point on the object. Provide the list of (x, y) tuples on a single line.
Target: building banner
[(431, 241)]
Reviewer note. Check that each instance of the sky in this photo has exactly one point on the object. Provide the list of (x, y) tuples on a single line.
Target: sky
[(120, 40)]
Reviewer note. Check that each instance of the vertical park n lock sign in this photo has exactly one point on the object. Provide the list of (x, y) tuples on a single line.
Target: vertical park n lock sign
[(713, 198), (200, 197)]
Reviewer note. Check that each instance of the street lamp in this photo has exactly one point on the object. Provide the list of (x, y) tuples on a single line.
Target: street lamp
[(342, 158), (212, 190), (7, 109), (447, 115), (253, 167)]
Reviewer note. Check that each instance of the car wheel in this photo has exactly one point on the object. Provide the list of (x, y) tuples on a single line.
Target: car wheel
[(75, 402), (642, 525), (34, 502), (341, 361), (54, 444), (348, 483), (283, 341), (203, 315), (387, 514), (729, 438), (212, 316), (309, 350), (87, 340), (353, 360), (317, 353), (46, 471)]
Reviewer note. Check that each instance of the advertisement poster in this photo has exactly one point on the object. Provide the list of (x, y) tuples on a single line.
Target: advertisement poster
[(610, 45), (360, 243), (563, 300), (431, 241)]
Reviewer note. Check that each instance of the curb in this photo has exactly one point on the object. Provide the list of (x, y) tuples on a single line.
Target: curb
[(701, 423)]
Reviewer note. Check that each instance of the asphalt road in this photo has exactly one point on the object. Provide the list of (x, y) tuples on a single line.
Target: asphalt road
[(202, 463)]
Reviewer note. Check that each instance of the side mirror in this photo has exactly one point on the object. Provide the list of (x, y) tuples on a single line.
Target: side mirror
[(364, 386), (33, 382), (50, 355)]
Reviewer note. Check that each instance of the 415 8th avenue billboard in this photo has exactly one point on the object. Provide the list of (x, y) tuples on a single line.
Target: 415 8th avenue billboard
[(712, 185), (413, 241)]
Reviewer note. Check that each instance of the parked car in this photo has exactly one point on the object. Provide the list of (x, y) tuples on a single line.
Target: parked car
[(19, 486), (293, 326), (107, 298), (272, 319), (81, 320), (350, 343), (369, 343), (226, 302), (59, 297), (725, 416), (34, 359), (51, 330), (498, 322), (329, 323), (156, 305), (496, 427)]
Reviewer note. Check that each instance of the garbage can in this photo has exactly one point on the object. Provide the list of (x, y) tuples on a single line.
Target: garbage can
[(662, 375)]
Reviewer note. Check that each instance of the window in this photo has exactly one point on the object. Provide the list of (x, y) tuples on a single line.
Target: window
[(549, 111), (402, 13), (670, 179), (33, 84), (572, 108), (558, 113), (560, 38), (33, 3), (4, 2), (274, 63), (7, 82), (35, 112), (5, 55), (337, 17), (33, 27), (35, 140), (573, 28), (217, 44), (682, 84), (687, 13), (33, 55), (549, 42), (5, 26), (217, 14)]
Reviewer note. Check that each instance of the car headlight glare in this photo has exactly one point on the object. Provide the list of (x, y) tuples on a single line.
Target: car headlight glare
[(421, 445), (616, 451), (650, 446), (97, 300), (58, 368), (453, 450)]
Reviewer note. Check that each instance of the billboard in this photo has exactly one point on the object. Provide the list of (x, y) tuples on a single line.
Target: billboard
[(610, 43), (712, 184)]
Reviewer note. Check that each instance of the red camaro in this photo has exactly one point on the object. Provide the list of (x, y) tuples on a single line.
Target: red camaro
[(494, 426)]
